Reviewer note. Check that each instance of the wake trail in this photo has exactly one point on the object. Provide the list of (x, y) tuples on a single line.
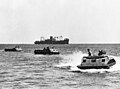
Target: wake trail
[(72, 60)]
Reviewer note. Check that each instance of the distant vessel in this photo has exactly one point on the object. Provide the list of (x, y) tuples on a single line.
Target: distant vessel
[(15, 49), (53, 40), (47, 51)]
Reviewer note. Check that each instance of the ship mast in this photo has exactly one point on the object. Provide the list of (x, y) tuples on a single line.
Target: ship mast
[(42, 38)]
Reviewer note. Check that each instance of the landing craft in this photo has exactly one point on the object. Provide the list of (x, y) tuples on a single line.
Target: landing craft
[(47, 51), (97, 62), (15, 49)]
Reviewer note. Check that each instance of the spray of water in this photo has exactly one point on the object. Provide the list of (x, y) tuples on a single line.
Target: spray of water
[(71, 61)]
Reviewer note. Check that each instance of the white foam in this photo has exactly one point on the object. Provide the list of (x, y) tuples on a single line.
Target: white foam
[(74, 59)]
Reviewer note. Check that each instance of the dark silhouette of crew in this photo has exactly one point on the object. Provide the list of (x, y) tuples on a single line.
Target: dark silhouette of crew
[(89, 53), (101, 52), (47, 49)]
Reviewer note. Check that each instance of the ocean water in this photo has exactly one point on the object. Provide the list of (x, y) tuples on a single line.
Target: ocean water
[(24, 70)]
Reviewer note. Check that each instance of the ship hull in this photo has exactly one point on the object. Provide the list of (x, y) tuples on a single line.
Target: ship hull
[(52, 42)]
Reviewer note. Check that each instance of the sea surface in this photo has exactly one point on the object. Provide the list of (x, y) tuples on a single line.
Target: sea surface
[(25, 70)]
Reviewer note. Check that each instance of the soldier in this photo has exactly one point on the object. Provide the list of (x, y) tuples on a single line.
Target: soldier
[(89, 53), (101, 52)]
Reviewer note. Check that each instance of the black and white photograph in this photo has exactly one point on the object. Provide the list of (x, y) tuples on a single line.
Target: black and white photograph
[(59, 44)]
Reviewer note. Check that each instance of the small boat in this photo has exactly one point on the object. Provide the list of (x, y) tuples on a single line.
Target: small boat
[(47, 51), (96, 62), (15, 49)]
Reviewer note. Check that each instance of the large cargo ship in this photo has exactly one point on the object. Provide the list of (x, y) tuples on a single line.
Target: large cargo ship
[(53, 40)]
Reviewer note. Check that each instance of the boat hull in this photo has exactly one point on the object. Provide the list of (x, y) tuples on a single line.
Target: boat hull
[(93, 67), (45, 53), (13, 49)]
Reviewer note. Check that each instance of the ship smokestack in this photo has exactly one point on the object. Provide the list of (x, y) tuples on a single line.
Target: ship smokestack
[(51, 37)]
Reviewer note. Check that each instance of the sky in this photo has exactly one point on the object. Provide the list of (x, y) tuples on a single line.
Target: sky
[(82, 21)]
